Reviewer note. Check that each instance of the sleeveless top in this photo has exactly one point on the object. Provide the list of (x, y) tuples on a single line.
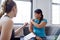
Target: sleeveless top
[(3, 20)]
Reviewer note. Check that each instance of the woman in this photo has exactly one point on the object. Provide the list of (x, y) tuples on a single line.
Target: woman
[(37, 25), (6, 23)]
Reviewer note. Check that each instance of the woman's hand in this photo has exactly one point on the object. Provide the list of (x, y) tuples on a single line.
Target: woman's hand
[(25, 24), (19, 29), (38, 38), (31, 21)]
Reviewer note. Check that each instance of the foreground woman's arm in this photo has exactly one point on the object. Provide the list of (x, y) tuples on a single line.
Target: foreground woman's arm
[(20, 29), (6, 30)]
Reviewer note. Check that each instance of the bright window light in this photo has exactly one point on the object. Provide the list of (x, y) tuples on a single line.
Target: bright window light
[(56, 1), (55, 14), (23, 12)]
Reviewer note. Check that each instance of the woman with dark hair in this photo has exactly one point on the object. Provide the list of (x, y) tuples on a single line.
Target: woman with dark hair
[(6, 24), (37, 25)]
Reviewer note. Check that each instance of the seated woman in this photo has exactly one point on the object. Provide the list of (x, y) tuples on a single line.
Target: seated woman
[(6, 24), (37, 25)]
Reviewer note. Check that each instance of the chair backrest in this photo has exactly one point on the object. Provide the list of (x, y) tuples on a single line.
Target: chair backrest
[(52, 30), (26, 31), (49, 30)]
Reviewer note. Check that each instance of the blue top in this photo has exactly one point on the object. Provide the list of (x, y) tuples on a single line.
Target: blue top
[(39, 31)]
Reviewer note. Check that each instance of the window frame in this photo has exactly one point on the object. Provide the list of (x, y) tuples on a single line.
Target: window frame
[(30, 14), (52, 3)]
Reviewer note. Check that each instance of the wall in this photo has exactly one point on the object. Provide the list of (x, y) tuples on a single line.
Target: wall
[(0, 3)]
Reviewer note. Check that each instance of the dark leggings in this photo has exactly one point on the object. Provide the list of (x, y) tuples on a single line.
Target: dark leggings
[(43, 38)]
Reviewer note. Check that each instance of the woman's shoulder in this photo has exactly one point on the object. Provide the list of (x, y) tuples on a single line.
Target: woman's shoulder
[(44, 20), (5, 20)]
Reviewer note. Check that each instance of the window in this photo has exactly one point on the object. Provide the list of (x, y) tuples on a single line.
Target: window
[(1, 2), (55, 11), (56, 1), (23, 12)]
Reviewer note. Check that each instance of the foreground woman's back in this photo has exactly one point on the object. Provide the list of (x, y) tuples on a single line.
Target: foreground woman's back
[(6, 24)]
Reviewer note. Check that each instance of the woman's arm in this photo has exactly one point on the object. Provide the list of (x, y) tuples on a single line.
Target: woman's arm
[(42, 24), (30, 28), (6, 30), (19, 29)]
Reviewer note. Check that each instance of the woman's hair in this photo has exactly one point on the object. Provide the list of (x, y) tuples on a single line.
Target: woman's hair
[(39, 11), (7, 7)]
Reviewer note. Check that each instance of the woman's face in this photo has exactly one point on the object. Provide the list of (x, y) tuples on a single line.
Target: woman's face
[(37, 15), (15, 11)]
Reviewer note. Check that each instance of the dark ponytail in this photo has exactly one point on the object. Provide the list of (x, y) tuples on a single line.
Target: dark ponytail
[(39, 11)]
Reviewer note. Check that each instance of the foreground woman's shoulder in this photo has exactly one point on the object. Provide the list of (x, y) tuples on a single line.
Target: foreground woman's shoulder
[(6, 21)]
